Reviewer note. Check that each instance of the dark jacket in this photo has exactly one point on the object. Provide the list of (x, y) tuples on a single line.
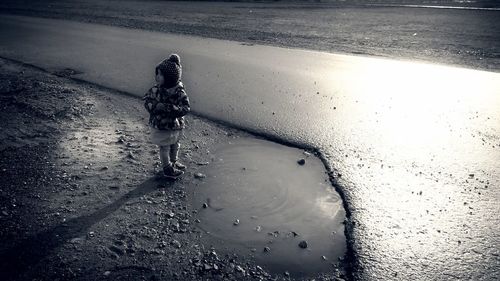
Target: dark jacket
[(167, 107)]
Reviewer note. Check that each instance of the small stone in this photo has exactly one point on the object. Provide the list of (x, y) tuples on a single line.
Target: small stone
[(303, 244), (267, 249), (213, 254), (197, 221), (176, 244), (107, 273), (301, 161), (199, 175), (236, 222), (205, 205), (131, 155), (258, 228), (287, 274), (323, 258), (240, 269)]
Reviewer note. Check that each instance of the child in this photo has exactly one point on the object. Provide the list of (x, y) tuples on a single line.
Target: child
[(167, 103)]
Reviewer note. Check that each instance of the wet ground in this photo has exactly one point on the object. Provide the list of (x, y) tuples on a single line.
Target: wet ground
[(413, 147)]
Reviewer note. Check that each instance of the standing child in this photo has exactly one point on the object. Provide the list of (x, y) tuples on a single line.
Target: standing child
[(167, 103)]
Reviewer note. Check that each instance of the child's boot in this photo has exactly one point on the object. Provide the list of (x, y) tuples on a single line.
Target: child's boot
[(179, 165), (172, 172)]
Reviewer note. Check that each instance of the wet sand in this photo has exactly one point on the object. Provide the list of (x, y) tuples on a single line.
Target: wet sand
[(81, 198)]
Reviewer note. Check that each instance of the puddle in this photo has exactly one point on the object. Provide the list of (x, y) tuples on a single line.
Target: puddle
[(260, 184)]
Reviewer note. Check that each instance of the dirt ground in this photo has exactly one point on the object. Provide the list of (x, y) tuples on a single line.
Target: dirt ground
[(79, 192)]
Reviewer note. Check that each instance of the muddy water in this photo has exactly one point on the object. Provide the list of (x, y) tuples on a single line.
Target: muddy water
[(258, 196)]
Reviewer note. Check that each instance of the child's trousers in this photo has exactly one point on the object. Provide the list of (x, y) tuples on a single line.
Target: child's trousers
[(169, 154)]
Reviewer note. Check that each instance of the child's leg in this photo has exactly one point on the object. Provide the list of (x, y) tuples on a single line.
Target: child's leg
[(174, 155), (174, 152), (164, 156), (169, 169)]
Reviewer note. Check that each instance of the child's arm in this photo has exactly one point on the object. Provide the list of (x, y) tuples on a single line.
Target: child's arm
[(150, 99), (182, 107)]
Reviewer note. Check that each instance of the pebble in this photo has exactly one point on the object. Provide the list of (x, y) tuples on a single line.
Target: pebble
[(240, 269), (205, 205), (236, 222), (106, 273), (176, 244), (199, 175), (267, 249), (301, 161), (303, 244), (131, 155)]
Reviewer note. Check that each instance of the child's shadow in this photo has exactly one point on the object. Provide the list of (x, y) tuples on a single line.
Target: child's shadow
[(27, 253)]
